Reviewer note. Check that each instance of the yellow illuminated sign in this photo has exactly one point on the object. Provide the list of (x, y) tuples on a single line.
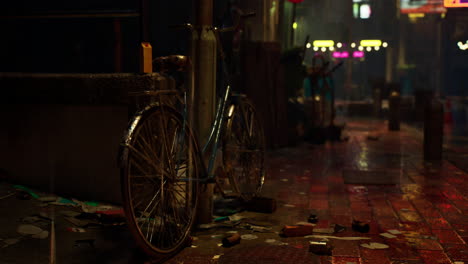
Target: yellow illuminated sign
[(456, 3), (416, 15), (323, 43), (371, 43)]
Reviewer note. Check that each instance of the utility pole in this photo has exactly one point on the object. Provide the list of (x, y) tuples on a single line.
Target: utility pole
[(292, 28), (203, 95), (349, 36)]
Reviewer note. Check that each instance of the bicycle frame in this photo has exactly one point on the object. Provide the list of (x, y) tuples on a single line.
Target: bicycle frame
[(215, 133)]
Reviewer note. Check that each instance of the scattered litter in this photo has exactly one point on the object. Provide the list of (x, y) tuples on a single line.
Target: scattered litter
[(257, 228), (216, 256), (276, 242), (361, 227), (42, 235), (193, 246), (76, 229), (26, 189), (28, 229), (64, 202), (119, 212), (88, 242), (6, 196), (312, 219), (194, 238), (216, 236), (48, 199), (284, 180), (207, 226), (339, 228), (320, 248), (31, 219), (221, 218), (220, 244), (249, 237), (236, 217), (394, 232), (305, 223), (374, 245), (231, 232), (410, 234), (297, 231), (10, 241), (289, 205), (387, 235), (231, 240), (94, 207), (335, 237), (324, 230)]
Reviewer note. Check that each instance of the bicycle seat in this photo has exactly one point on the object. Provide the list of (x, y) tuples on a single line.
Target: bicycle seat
[(171, 63)]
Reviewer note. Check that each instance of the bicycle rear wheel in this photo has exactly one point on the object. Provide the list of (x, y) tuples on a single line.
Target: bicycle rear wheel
[(159, 179), (244, 149)]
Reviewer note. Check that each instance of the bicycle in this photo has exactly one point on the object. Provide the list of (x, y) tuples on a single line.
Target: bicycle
[(162, 165)]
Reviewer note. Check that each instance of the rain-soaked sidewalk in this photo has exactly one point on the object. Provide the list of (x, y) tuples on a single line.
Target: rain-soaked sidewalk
[(417, 211)]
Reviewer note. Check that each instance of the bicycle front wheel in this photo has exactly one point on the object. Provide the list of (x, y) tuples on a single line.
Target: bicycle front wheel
[(159, 179), (244, 149)]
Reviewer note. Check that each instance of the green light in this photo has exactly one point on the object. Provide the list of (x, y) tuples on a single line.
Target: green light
[(295, 25)]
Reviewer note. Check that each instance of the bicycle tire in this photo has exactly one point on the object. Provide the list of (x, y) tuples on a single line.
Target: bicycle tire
[(150, 179), (244, 149)]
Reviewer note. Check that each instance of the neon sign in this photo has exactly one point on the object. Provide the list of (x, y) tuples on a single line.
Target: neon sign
[(371, 43), (456, 3), (423, 6), (323, 43), (358, 54), (343, 54)]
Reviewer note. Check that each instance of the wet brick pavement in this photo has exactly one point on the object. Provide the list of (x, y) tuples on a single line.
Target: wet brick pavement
[(428, 204)]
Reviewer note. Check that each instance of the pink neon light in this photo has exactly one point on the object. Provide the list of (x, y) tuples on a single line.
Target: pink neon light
[(338, 54), (358, 54)]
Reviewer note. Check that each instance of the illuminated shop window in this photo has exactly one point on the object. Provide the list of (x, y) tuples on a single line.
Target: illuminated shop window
[(362, 9)]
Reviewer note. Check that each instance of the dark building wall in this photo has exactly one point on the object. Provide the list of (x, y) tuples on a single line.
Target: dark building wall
[(35, 40)]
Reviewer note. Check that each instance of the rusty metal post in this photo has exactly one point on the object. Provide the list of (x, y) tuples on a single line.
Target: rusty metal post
[(204, 95), (433, 130), (394, 111)]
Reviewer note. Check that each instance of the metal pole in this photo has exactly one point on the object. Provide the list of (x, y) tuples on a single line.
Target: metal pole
[(291, 41), (204, 96), (433, 130), (394, 111)]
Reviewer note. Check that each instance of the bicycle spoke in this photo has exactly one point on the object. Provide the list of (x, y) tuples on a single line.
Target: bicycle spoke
[(160, 167)]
